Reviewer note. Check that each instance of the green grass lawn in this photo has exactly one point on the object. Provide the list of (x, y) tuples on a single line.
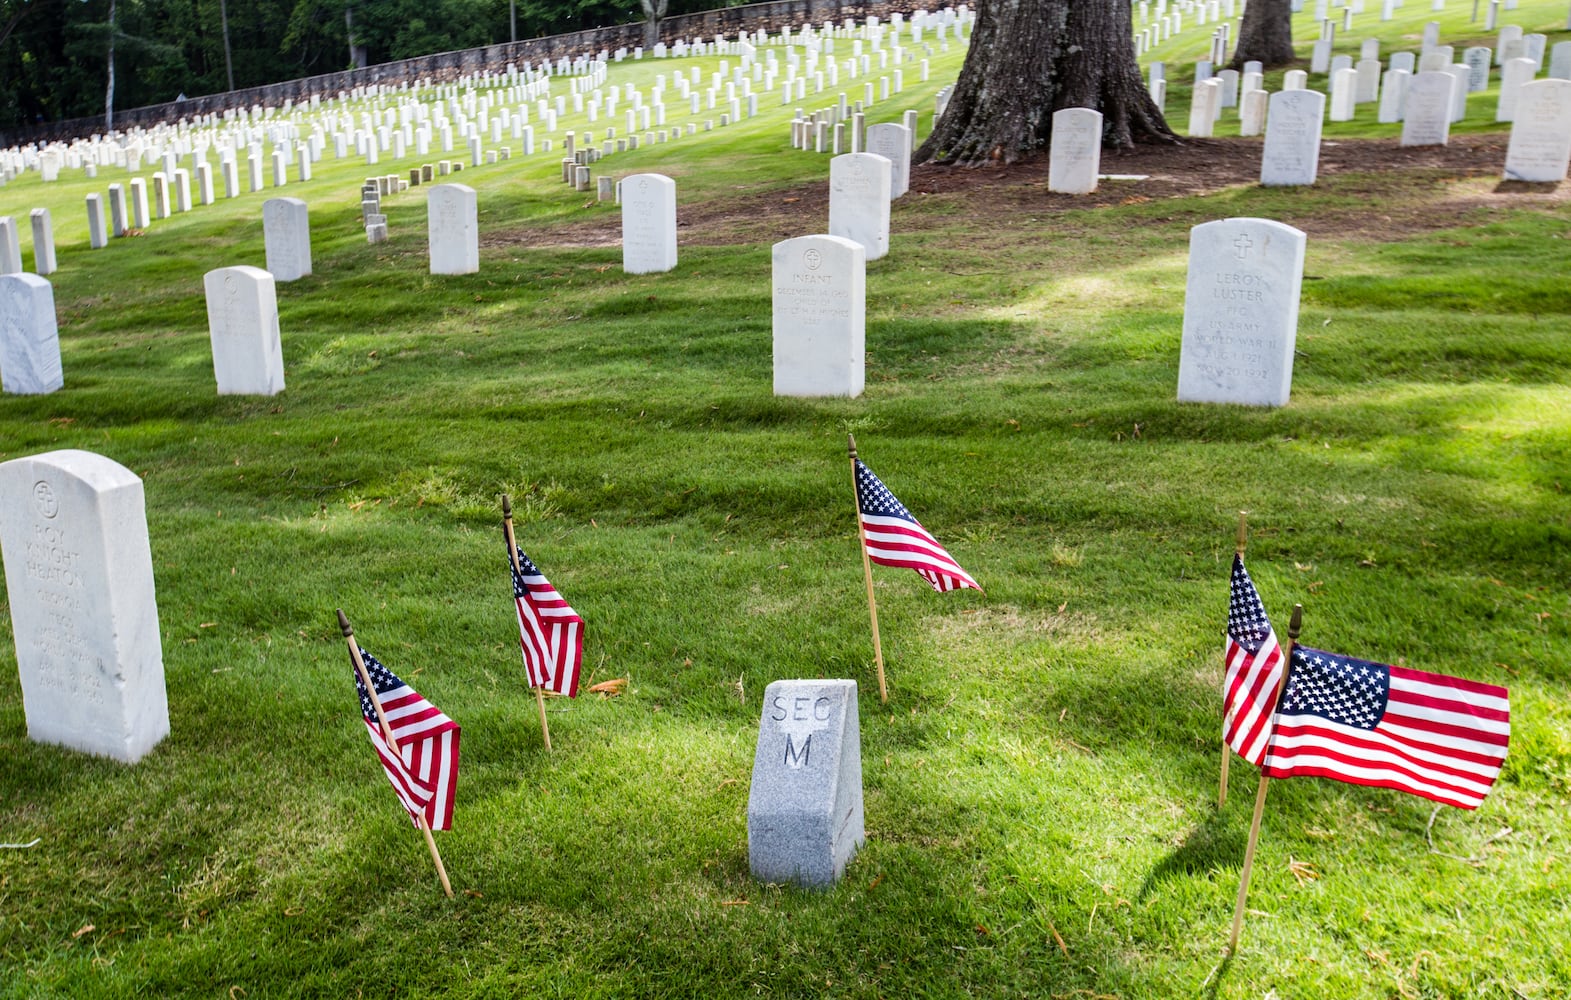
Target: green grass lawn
[(1040, 788)]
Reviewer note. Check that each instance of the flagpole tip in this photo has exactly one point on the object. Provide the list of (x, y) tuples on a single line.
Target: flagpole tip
[(343, 623), (1296, 624), (1243, 530), (507, 506), (851, 444)]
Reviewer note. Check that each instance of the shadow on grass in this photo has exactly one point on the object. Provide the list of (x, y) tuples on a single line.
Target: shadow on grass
[(1218, 842)]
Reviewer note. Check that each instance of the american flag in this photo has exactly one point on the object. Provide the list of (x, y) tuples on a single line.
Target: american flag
[(1254, 667), (1371, 724), (550, 632), (894, 538), (424, 773)]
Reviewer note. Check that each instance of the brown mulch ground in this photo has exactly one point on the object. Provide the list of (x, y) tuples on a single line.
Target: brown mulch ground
[(1387, 190)]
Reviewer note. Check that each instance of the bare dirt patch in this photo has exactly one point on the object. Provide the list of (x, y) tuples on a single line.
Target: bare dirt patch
[(1386, 190)]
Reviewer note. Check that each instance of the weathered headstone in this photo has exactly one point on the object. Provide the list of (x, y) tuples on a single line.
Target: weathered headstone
[(10, 246), (804, 810), (1513, 75), (1075, 153), (819, 316), (43, 241), (286, 236), (648, 223), (453, 229), (859, 201), (242, 322), (893, 143), (97, 226), (1291, 153), (1252, 112), (29, 336), (1241, 312), (1393, 93), (1560, 61), (1477, 59), (1540, 146), (1426, 111), (79, 578), (1344, 89)]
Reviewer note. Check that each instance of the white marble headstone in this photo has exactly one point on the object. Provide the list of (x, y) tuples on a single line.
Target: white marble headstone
[(1426, 110), (1540, 146), (819, 316), (286, 235), (242, 322), (893, 143), (1241, 312), (43, 241), (79, 577), (10, 246), (1074, 151), (453, 227), (648, 223), (29, 337), (1291, 153), (859, 185)]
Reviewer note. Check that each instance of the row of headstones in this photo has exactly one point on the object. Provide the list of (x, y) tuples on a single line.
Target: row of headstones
[(1351, 86), (242, 311), (372, 139), (1539, 149)]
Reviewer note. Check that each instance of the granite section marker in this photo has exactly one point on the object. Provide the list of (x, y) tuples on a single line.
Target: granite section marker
[(804, 809)]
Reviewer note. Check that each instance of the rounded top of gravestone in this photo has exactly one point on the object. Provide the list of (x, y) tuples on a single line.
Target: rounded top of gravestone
[(24, 278), (89, 467), (815, 245)]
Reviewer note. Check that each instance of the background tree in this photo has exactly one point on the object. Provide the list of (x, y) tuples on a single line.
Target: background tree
[(1265, 33), (1029, 58), (654, 10)]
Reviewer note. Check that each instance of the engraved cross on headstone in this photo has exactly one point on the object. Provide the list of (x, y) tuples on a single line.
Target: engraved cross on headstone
[(1242, 245)]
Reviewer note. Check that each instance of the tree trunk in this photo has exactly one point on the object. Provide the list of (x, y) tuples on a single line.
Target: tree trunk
[(109, 91), (1029, 58), (1265, 34), (229, 63), (654, 10)]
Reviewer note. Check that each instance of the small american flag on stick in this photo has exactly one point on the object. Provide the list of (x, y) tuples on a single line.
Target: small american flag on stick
[(1254, 669), (549, 630), (893, 537), (423, 769), (1367, 723)]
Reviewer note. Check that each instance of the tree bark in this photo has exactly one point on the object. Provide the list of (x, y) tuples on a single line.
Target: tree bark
[(109, 91), (654, 10), (229, 63), (1265, 34), (1029, 58)]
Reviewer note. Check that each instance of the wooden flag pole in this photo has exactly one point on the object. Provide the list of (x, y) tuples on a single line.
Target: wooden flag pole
[(1221, 794), (1293, 628), (392, 742), (512, 555), (867, 572)]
